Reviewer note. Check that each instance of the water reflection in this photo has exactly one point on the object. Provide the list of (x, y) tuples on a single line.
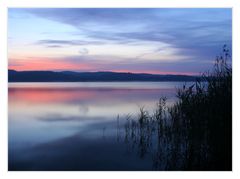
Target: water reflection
[(75, 126)]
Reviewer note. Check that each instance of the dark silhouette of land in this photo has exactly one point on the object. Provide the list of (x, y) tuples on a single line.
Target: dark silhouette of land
[(70, 76)]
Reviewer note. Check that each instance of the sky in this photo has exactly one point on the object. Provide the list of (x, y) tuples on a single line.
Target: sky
[(155, 40)]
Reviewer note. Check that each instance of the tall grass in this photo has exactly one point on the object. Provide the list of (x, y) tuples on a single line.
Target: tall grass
[(196, 132)]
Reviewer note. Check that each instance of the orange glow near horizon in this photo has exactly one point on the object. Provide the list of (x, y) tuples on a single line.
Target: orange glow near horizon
[(45, 64)]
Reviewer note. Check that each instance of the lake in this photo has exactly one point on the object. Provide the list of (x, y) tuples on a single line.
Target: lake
[(79, 126)]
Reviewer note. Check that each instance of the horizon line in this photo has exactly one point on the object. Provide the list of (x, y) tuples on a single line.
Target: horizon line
[(180, 74)]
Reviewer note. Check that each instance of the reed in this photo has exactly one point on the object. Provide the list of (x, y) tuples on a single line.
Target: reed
[(196, 132)]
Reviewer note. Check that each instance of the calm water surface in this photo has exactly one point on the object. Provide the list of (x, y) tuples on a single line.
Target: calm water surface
[(74, 126)]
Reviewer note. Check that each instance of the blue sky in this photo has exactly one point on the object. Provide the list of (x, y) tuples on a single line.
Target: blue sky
[(174, 40)]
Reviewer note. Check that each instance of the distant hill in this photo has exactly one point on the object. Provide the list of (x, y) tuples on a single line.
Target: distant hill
[(69, 76)]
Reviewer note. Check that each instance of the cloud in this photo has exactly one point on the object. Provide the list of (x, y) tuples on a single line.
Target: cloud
[(81, 17), (58, 43), (165, 22), (54, 46), (83, 51), (196, 31)]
